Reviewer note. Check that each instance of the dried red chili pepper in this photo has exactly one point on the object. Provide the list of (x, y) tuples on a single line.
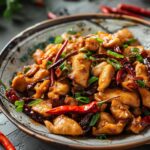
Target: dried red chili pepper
[(39, 3), (135, 9), (6, 143), (107, 9), (12, 95), (117, 49), (91, 107)]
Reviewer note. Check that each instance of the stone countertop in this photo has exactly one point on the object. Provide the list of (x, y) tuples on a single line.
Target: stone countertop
[(8, 29)]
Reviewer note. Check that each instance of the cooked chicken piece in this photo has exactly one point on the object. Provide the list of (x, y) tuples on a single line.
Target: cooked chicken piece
[(109, 40), (96, 71), (39, 75), (105, 77), (107, 125), (19, 83), (142, 72), (91, 44), (64, 125), (51, 51), (136, 125), (128, 51), (123, 35), (102, 50), (128, 83), (129, 98), (41, 88), (119, 110), (70, 101), (42, 108), (145, 94), (32, 70), (59, 88), (37, 56), (80, 69)]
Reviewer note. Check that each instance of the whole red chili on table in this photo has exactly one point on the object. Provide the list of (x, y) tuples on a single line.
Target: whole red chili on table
[(6, 143)]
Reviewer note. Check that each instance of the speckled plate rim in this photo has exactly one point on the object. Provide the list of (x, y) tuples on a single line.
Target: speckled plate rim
[(42, 25)]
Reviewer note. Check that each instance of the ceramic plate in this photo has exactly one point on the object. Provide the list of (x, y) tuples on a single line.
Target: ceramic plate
[(18, 52)]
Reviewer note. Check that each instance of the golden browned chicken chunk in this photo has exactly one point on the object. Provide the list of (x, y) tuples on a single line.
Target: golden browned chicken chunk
[(38, 54), (42, 108), (96, 71), (129, 98), (39, 75), (64, 125), (119, 110), (91, 44), (109, 40), (31, 70), (107, 125), (19, 83), (129, 50), (142, 72), (128, 83), (123, 35), (136, 125), (145, 94), (59, 88), (80, 69), (70, 101), (41, 88), (105, 77)]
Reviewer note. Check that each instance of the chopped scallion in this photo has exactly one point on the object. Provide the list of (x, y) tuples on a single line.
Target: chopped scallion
[(94, 119), (35, 102), (92, 80), (58, 40), (117, 55), (116, 64)]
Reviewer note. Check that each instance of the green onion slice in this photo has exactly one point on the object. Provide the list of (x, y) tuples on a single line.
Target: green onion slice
[(141, 83), (116, 64), (58, 40), (35, 102), (117, 55), (102, 137), (92, 80)]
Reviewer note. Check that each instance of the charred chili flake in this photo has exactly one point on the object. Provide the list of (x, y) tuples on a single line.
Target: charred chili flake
[(6, 143), (58, 40), (12, 95), (116, 64), (102, 137), (146, 120), (117, 55), (94, 119), (141, 83), (35, 102), (92, 80)]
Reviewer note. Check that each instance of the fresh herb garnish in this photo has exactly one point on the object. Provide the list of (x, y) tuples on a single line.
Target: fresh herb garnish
[(94, 119), (141, 83), (71, 31), (117, 55), (92, 80), (48, 64), (114, 63), (26, 69), (139, 58), (135, 50), (58, 40), (19, 105), (102, 137), (82, 99), (35, 102)]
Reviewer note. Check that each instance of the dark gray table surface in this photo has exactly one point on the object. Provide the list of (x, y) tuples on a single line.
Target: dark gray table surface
[(32, 15)]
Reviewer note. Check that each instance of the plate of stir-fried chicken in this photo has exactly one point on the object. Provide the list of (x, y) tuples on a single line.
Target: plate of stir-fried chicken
[(83, 83)]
